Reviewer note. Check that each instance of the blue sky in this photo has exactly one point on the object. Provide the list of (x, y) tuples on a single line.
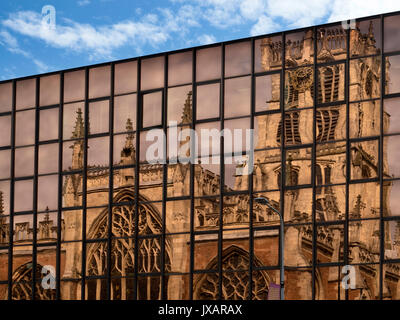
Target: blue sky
[(95, 31)]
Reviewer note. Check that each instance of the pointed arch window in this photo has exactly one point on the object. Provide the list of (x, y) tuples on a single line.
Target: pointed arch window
[(292, 133), (123, 253), (234, 284), (22, 284)]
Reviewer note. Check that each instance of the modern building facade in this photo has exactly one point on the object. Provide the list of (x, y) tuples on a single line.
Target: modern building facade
[(79, 193)]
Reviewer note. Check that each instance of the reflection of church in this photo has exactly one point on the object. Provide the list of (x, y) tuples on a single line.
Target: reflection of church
[(330, 201)]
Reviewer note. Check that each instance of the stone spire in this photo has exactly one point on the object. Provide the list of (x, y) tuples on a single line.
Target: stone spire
[(128, 153), (187, 110), (78, 133)]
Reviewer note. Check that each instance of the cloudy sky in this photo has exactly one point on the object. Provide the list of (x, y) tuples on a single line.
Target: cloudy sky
[(94, 31)]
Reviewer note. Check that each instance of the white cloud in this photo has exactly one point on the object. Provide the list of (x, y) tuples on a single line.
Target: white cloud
[(342, 9), (99, 41), (11, 44), (264, 25), (206, 39)]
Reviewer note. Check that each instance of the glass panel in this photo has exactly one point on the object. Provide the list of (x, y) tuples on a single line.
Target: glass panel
[(206, 249), (236, 174), (208, 64), (5, 96), (391, 200), (152, 73), (178, 220), (73, 124), (237, 97), (152, 109), (331, 123), (364, 159), (72, 229), (267, 92), (72, 196), (299, 88), (207, 101), (299, 257), (365, 233), (365, 78), (208, 136), (23, 195), (48, 158), (391, 115), (392, 239), (330, 201), (331, 159), (392, 32), (180, 68), (207, 176), (125, 77), (392, 77), (238, 59), (181, 280), (266, 247), (5, 131), (366, 38), (73, 155), (267, 132), (5, 192), (237, 136), (331, 43), (299, 48), (124, 149), (50, 90), (47, 193), (5, 164), (99, 82), (25, 128), (365, 119), (26, 94), (264, 173), (74, 86), (364, 200), (391, 154), (24, 161), (330, 242), (94, 230), (48, 127), (268, 54), (298, 206), (98, 116), (235, 214), (98, 153), (328, 283), (331, 83), (180, 105), (124, 109)]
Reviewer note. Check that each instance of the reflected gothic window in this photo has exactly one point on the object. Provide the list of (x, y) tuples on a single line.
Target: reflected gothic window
[(235, 285), (122, 259), (326, 124), (22, 284), (292, 134)]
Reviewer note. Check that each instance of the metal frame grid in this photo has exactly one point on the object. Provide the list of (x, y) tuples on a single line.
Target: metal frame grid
[(252, 228)]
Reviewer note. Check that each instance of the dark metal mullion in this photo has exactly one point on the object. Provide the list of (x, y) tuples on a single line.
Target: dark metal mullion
[(222, 173), (164, 177), (250, 177), (137, 169), (84, 183), (313, 164), (347, 98), (381, 161), (110, 180), (12, 188), (192, 172), (60, 188), (35, 191), (283, 154)]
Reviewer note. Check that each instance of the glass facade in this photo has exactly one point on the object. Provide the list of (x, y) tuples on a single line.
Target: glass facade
[(84, 195)]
